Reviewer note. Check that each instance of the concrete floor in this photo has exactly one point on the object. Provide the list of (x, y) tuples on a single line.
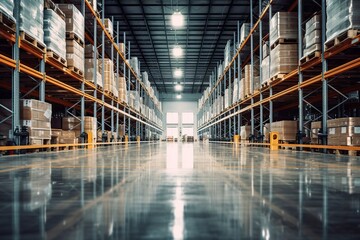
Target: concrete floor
[(179, 191)]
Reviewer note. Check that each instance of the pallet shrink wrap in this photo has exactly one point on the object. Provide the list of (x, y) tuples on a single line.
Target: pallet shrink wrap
[(54, 32), (342, 15), (74, 20), (31, 18), (244, 32), (313, 35), (7, 7), (283, 25), (265, 67)]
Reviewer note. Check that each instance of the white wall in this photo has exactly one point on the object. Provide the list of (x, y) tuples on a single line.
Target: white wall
[(180, 107)]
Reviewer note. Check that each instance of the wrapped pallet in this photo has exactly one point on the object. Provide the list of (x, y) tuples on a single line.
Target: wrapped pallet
[(75, 56), (226, 98), (235, 95), (220, 70), (283, 25), (108, 71), (242, 89), (342, 15), (72, 123), (227, 53), (7, 7), (284, 59), (54, 32), (266, 49), (31, 18), (245, 132), (89, 51), (134, 63), (74, 21), (344, 131), (109, 26), (313, 35), (89, 71), (244, 32), (265, 67)]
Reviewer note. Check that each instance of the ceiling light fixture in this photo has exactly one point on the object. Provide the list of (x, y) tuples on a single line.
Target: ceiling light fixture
[(178, 96), (178, 87), (177, 51), (177, 20), (178, 73)]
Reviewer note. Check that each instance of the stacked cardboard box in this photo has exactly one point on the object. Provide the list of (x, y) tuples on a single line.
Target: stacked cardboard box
[(35, 115), (283, 25), (248, 88), (266, 49), (89, 71), (72, 123), (75, 55), (54, 31), (344, 131), (342, 15), (122, 89), (315, 129), (59, 136), (244, 32), (265, 66), (109, 26), (109, 76), (7, 7), (284, 59), (242, 89), (287, 130), (122, 48), (31, 18), (74, 20), (313, 35)]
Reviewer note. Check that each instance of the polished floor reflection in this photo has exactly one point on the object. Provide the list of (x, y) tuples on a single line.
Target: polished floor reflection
[(179, 191)]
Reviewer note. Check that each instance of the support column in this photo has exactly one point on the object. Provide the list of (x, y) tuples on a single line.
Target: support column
[(261, 133), (252, 68), (324, 81), (16, 74), (300, 53)]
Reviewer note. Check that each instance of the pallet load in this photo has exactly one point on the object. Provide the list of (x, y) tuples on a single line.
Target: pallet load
[(59, 136), (7, 7), (122, 48), (227, 53), (122, 90), (343, 20), (109, 26), (265, 68), (283, 44), (220, 70), (134, 63), (74, 38), (235, 96), (244, 32), (54, 34), (89, 72), (315, 129), (31, 22), (265, 49), (248, 88), (242, 89), (226, 99), (145, 79), (109, 76), (245, 132), (312, 39), (73, 124), (287, 130), (341, 131)]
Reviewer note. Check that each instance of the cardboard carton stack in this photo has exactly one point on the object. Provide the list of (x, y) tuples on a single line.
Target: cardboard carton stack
[(312, 35), (73, 124), (59, 136), (122, 90), (109, 76), (89, 71), (344, 131), (315, 128), (74, 37), (287, 130), (283, 43)]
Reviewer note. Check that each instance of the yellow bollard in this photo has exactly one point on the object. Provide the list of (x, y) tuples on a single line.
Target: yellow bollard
[(138, 139), (274, 141), (126, 138), (236, 138), (90, 139)]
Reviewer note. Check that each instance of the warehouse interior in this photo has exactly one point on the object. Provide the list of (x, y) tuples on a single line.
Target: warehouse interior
[(179, 119)]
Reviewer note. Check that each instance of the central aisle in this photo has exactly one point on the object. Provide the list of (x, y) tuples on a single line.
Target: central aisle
[(179, 191)]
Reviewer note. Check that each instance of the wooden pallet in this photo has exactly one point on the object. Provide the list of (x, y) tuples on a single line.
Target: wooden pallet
[(266, 83), (48, 4), (77, 71), (277, 77), (7, 23), (25, 37), (51, 54), (311, 56), (342, 38), (283, 41), (74, 36)]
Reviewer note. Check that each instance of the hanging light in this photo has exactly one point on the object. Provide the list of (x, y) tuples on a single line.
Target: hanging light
[(178, 73), (177, 20), (178, 87), (177, 51), (178, 96)]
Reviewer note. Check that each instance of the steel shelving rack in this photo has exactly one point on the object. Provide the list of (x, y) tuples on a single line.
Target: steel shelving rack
[(321, 84), (33, 74)]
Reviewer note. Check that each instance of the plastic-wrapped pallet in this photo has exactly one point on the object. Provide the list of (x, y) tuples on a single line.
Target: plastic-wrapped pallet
[(89, 72), (54, 32), (265, 70), (245, 132), (266, 49), (283, 25), (342, 15), (31, 18), (109, 26), (256, 83), (220, 70), (134, 63), (226, 98), (227, 54), (235, 96), (74, 20), (242, 89), (7, 7), (75, 55), (284, 59), (313, 35), (244, 32), (109, 77)]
